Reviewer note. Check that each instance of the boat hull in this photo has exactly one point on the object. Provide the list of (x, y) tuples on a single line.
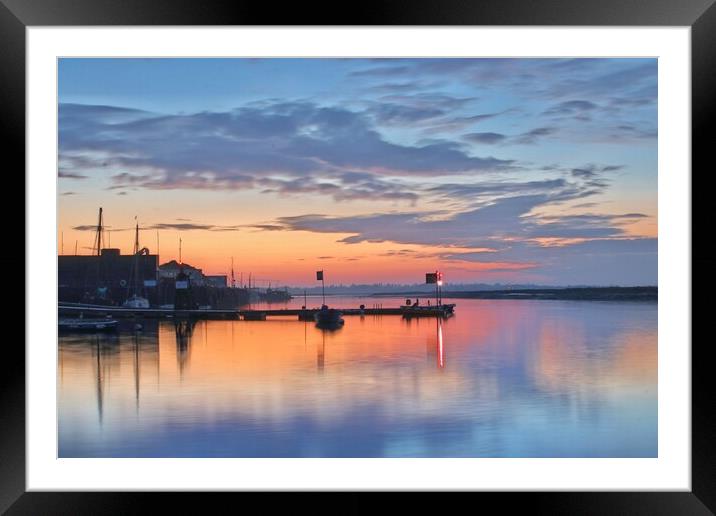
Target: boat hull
[(329, 319), (136, 302), (87, 325), (427, 311)]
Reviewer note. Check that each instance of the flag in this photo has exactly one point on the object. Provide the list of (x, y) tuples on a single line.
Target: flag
[(319, 275), (431, 277)]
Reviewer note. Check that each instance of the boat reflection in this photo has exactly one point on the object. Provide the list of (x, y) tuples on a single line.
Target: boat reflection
[(183, 329), (321, 352)]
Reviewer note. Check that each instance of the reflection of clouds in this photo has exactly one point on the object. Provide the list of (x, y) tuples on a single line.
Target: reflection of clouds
[(569, 361), (553, 368)]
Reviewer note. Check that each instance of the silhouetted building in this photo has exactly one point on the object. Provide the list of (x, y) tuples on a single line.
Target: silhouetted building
[(217, 280), (107, 277), (172, 268)]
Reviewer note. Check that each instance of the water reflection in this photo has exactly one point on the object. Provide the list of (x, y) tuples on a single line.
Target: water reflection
[(183, 329), (525, 378), (434, 343), (441, 350), (321, 352)]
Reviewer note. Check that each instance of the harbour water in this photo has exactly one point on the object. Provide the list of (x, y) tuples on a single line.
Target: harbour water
[(501, 378)]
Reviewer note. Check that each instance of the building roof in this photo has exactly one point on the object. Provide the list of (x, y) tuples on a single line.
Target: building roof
[(174, 265)]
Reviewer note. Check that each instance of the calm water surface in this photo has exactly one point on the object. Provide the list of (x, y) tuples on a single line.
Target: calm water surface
[(500, 379)]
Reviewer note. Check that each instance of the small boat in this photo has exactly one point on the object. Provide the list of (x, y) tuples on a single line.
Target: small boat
[(329, 318), (427, 310), (136, 302), (91, 325), (275, 296)]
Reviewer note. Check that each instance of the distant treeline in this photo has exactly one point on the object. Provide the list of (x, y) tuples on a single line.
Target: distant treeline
[(567, 293), (489, 291), (397, 288)]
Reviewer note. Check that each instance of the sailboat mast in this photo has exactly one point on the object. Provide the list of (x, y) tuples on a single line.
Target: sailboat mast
[(98, 241), (136, 259)]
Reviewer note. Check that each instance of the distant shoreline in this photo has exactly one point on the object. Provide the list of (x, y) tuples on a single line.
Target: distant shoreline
[(574, 294)]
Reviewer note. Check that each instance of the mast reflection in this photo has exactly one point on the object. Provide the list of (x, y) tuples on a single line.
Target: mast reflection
[(321, 352), (183, 329)]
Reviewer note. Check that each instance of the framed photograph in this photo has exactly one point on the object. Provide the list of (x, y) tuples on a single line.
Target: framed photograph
[(441, 249)]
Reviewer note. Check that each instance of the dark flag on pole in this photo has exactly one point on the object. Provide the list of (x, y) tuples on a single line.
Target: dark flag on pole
[(431, 277), (319, 275)]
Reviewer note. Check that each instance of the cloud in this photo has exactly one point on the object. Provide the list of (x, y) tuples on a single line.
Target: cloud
[(571, 107), (509, 228), (400, 114), (550, 78), (527, 138), (481, 227), (344, 186), (183, 226), (268, 227), (477, 190), (189, 226), (440, 101), (101, 114), (488, 138), (391, 71), (632, 216), (632, 131), (570, 248), (278, 143), (603, 261), (458, 123), (591, 171), (414, 108), (394, 87), (531, 137), (69, 175)]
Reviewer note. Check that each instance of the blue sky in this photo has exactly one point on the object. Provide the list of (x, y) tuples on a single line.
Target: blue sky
[(540, 170)]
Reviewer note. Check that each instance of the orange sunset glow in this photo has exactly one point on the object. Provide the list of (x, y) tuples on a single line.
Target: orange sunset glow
[(404, 166)]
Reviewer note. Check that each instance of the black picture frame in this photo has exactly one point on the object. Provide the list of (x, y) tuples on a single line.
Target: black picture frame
[(700, 15)]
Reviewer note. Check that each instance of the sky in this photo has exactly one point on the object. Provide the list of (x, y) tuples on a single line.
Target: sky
[(375, 170)]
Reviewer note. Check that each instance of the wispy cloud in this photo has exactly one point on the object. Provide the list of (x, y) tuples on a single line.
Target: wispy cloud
[(70, 175), (274, 148)]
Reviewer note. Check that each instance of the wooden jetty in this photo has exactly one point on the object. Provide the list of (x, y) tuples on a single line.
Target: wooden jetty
[(442, 310), (75, 309)]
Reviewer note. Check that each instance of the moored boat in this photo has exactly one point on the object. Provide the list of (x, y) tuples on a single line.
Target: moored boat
[(442, 310), (136, 302), (329, 317), (91, 325)]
